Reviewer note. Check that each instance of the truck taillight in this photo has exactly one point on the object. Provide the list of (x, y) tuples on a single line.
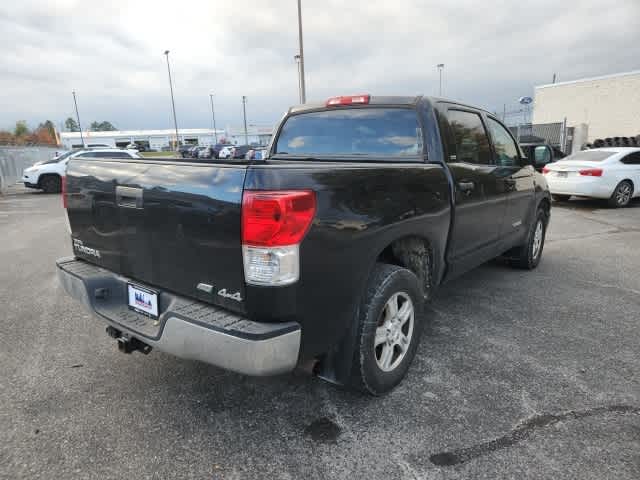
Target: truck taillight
[(591, 172), (63, 189), (273, 225)]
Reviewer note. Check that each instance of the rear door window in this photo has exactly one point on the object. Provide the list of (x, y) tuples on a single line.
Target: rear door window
[(384, 132)]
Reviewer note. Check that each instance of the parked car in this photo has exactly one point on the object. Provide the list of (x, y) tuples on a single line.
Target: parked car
[(198, 151), (47, 175), (136, 146), (607, 173), (218, 147), (324, 253), (208, 152), (227, 151), (241, 151), (184, 150)]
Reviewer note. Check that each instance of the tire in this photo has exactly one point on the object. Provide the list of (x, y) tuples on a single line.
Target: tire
[(528, 255), (51, 184), (560, 198), (621, 195), (372, 372)]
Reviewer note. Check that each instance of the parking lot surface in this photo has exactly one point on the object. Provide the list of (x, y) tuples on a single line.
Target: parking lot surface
[(520, 375)]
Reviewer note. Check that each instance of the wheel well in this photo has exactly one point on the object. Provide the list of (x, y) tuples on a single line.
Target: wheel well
[(545, 205), (630, 181), (45, 175), (413, 253)]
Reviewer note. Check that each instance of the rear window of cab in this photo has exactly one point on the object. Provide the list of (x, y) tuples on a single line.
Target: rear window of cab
[(373, 131)]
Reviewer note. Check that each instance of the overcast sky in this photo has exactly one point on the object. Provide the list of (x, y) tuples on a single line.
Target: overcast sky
[(111, 53)]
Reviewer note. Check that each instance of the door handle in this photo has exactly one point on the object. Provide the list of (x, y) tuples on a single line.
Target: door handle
[(129, 197), (466, 187)]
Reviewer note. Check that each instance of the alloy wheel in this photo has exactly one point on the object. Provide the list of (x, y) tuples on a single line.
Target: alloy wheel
[(394, 332)]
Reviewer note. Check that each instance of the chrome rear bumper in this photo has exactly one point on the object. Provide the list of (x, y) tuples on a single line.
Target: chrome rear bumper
[(185, 328)]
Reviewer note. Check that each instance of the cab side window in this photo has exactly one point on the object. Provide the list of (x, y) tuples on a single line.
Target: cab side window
[(470, 138), (505, 147)]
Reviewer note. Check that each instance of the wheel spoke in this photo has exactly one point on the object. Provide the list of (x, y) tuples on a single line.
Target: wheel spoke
[(403, 343), (392, 307), (381, 336), (386, 356), (405, 312)]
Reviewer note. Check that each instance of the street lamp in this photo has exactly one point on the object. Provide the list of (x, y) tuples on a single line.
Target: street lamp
[(213, 117), (297, 60), (244, 114), (173, 103), (303, 94), (440, 68), (75, 102)]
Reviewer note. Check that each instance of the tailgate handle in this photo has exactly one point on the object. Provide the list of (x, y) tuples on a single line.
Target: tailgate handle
[(129, 197)]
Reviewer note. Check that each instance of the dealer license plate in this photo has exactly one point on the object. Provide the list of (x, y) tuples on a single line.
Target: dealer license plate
[(143, 300)]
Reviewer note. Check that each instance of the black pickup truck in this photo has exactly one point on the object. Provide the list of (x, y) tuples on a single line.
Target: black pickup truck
[(321, 254)]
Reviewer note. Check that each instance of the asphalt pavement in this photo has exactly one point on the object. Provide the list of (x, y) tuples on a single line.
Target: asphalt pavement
[(520, 375)]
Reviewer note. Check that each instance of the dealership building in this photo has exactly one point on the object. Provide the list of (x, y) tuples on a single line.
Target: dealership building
[(595, 108), (162, 139)]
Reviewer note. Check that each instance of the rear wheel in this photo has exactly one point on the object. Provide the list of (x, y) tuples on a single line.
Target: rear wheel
[(390, 325), (622, 194), (560, 198), (528, 255), (51, 184)]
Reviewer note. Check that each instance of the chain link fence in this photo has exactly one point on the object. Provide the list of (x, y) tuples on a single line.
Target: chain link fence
[(13, 160), (553, 133)]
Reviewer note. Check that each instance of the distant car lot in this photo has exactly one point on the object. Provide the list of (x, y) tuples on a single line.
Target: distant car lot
[(519, 376)]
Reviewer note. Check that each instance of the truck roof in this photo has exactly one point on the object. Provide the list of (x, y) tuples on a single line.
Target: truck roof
[(387, 100)]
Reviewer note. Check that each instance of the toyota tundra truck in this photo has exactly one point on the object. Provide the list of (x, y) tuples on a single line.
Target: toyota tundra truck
[(321, 254)]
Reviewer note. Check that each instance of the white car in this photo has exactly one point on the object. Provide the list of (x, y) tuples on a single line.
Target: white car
[(47, 175), (227, 152), (609, 173)]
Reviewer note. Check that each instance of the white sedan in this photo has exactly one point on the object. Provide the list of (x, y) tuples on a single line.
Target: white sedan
[(610, 173), (48, 175)]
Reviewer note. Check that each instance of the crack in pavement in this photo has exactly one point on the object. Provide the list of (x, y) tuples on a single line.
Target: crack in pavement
[(522, 432)]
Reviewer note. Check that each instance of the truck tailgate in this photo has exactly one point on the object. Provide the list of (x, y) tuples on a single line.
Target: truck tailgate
[(173, 226)]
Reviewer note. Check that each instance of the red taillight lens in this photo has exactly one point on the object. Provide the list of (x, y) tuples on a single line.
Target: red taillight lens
[(276, 218), (348, 100), (63, 189), (591, 172), (545, 170)]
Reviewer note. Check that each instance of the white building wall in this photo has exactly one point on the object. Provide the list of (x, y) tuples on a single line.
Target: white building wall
[(609, 105)]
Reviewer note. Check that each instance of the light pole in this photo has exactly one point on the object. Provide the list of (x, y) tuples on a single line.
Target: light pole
[(297, 59), (173, 103), (440, 68), (75, 102), (213, 117), (244, 114), (303, 94)]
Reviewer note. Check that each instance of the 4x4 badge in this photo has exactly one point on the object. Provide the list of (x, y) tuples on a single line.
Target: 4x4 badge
[(233, 296)]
